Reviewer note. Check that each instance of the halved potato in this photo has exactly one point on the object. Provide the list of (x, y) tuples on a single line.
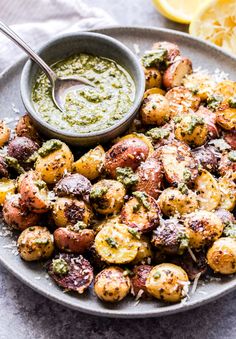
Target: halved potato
[(228, 193), (91, 163), (208, 192), (7, 186), (115, 244), (140, 136), (226, 117)]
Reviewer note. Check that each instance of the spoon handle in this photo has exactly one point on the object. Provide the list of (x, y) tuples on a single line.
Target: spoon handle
[(13, 36)]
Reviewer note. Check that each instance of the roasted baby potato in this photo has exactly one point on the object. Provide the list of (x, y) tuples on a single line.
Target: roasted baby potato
[(150, 177), (170, 237), (54, 159), (221, 257), (73, 239), (116, 245), (138, 280), (155, 110), (178, 163), (107, 196), (16, 215), (7, 187), (172, 50), (153, 77), (203, 227), (181, 101), (21, 148), (191, 129), (5, 133), (111, 284), (34, 192), (141, 137), (125, 153), (178, 201), (91, 163), (228, 193), (206, 158), (227, 165), (226, 117), (207, 190), (175, 73), (154, 90), (69, 211), (25, 128), (71, 272), (230, 138), (201, 84), (209, 118), (141, 212), (75, 185), (167, 282), (35, 243), (144, 254)]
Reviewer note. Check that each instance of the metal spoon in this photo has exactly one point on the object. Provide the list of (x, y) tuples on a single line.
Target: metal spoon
[(60, 85)]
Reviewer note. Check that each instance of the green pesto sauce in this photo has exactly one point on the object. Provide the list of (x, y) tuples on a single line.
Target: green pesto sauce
[(87, 109)]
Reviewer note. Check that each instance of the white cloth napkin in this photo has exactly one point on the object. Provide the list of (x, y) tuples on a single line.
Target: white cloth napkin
[(36, 21)]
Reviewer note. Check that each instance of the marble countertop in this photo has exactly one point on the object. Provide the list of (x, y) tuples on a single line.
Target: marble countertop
[(26, 314)]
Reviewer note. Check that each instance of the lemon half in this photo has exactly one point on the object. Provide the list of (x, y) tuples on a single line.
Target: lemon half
[(216, 22), (181, 11)]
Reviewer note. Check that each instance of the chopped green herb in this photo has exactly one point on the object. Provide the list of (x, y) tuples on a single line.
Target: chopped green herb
[(13, 163), (41, 241), (142, 198), (195, 121), (155, 58), (187, 175), (156, 275), (183, 242), (158, 133), (182, 187), (49, 146), (40, 184), (60, 266), (111, 242), (134, 232), (214, 102), (98, 192), (128, 272), (232, 102), (80, 225), (232, 156), (230, 230), (126, 176), (220, 144)]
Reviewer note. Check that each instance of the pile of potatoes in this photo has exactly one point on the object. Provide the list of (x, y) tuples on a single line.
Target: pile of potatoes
[(147, 214)]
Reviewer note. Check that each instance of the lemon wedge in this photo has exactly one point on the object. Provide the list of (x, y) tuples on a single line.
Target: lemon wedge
[(216, 22), (180, 11)]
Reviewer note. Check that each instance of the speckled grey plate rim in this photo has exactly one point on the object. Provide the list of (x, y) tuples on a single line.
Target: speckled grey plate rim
[(28, 277)]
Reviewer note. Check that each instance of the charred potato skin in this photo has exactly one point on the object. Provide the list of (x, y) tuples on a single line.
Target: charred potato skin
[(79, 276), (75, 185), (155, 110), (150, 177), (167, 282), (138, 280), (126, 153), (111, 285), (172, 201), (177, 160), (203, 228), (143, 219), (33, 196), (153, 77), (35, 243), (206, 158), (70, 241), (16, 216), (68, 211), (221, 257), (174, 74), (21, 148)]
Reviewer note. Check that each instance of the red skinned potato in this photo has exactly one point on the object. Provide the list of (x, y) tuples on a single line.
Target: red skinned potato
[(174, 74), (75, 185), (178, 163), (138, 280), (210, 120), (69, 239), (150, 177), (172, 49), (34, 192), (71, 272), (25, 128), (141, 212), (206, 158), (227, 164), (16, 216), (125, 153), (230, 138), (21, 148)]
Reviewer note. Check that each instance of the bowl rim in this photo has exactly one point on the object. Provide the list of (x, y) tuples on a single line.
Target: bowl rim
[(139, 88)]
